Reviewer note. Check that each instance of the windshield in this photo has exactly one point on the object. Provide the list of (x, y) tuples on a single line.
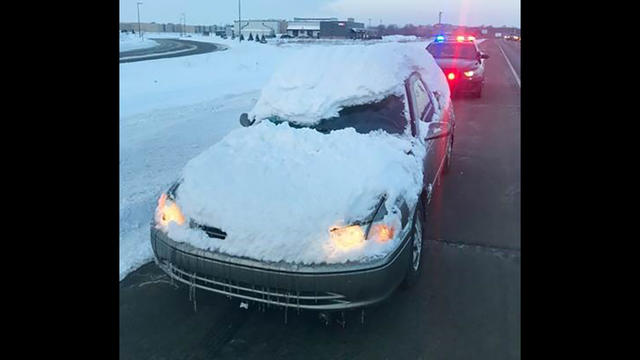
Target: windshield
[(386, 115), (453, 50)]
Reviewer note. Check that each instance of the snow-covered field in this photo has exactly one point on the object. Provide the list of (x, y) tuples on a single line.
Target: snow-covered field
[(130, 42), (173, 109)]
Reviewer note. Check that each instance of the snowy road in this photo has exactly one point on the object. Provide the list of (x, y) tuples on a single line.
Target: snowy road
[(466, 305), (168, 48)]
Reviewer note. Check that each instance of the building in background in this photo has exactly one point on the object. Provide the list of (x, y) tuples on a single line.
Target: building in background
[(306, 27), (266, 27), (343, 30), (225, 31), (170, 27)]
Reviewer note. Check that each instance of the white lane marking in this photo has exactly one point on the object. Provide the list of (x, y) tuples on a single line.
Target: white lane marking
[(510, 66), (159, 54)]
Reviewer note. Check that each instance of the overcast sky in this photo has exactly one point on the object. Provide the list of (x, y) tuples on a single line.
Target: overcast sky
[(399, 12)]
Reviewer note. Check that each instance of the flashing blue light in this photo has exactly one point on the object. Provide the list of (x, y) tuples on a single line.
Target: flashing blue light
[(439, 38)]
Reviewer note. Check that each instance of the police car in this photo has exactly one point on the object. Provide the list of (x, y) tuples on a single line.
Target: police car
[(461, 61)]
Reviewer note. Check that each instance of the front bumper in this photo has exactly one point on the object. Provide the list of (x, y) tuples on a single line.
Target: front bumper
[(464, 84), (325, 287)]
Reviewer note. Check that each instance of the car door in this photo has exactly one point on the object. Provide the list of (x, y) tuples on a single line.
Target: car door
[(423, 109)]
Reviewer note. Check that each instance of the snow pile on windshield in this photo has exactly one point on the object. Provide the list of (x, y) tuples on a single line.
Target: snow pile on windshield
[(277, 191), (319, 81)]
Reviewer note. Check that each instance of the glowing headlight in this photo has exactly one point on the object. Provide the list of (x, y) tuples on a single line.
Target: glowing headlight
[(381, 232), (353, 237), (168, 211), (347, 238), (468, 73)]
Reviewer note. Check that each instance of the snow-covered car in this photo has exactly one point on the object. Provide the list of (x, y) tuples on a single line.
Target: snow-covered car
[(318, 201)]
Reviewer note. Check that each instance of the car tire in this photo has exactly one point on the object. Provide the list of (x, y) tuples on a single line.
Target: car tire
[(414, 263), (447, 160)]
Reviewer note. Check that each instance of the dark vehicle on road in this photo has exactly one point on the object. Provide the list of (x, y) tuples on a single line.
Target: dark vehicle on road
[(406, 131), (461, 61)]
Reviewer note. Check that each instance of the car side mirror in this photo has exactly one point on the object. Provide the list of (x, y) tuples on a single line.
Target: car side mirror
[(484, 56), (244, 120), (437, 130)]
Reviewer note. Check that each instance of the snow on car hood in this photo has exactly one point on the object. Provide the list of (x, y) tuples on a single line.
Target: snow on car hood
[(277, 190), (318, 81)]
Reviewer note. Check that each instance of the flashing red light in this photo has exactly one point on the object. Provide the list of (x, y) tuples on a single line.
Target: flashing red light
[(471, 38), (451, 76)]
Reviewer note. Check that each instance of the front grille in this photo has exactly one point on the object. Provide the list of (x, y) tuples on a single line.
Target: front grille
[(256, 293)]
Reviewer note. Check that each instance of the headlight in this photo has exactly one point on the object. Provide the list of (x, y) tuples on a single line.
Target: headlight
[(353, 236), (347, 238), (381, 232), (168, 211), (373, 228), (468, 73)]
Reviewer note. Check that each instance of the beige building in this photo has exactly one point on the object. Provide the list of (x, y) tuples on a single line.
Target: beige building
[(153, 27), (266, 27)]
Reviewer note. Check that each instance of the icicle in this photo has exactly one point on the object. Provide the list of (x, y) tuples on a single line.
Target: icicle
[(192, 292), (343, 322), (324, 317), (286, 308), (171, 274)]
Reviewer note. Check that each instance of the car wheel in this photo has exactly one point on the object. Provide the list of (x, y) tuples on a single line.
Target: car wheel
[(414, 265), (447, 160)]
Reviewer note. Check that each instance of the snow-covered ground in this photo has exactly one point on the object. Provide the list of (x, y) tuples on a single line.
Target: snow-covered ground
[(173, 109), (130, 42)]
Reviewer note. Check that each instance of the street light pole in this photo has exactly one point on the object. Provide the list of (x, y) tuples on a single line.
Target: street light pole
[(139, 33), (239, 22)]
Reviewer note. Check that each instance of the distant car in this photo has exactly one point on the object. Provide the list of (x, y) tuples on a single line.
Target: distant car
[(319, 203), (285, 36), (512, 37), (461, 61)]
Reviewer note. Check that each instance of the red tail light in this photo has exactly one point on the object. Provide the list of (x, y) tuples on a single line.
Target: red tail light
[(451, 76)]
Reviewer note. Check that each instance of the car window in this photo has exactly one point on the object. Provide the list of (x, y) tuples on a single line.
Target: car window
[(453, 50), (422, 101), (387, 115)]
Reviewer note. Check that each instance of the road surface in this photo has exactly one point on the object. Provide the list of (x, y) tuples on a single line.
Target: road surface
[(168, 48), (465, 306)]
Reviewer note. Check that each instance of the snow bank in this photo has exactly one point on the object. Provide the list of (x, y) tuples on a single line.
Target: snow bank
[(400, 38), (277, 191), (165, 83), (130, 42), (320, 81)]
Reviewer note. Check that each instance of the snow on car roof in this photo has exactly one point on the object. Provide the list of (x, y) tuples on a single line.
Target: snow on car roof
[(316, 82)]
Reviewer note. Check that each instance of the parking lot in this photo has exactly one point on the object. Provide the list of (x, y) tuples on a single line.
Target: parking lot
[(466, 305)]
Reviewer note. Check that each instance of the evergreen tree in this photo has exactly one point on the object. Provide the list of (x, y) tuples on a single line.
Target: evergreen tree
[(241, 37), (250, 37)]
